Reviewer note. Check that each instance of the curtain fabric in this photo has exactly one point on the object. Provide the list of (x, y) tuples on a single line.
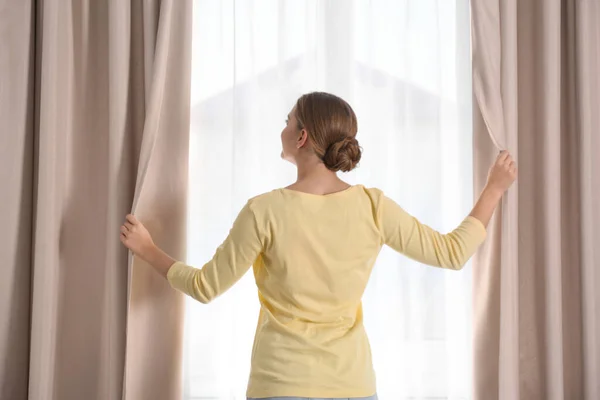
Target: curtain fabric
[(536, 67), (405, 69), (95, 117)]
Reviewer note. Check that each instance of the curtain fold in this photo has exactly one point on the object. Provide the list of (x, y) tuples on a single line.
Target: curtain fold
[(17, 41), (96, 119), (535, 81), (156, 312)]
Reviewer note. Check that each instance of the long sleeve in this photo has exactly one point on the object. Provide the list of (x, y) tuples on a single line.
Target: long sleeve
[(230, 262), (405, 234)]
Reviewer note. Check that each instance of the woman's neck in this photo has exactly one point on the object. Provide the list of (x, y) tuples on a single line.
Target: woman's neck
[(314, 170), (314, 177)]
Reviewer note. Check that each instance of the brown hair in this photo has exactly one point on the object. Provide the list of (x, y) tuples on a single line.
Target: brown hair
[(331, 126)]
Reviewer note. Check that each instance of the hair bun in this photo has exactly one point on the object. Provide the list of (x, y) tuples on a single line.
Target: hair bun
[(343, 155)]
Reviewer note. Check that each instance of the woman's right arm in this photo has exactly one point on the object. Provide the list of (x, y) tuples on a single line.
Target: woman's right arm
[(407, 235)]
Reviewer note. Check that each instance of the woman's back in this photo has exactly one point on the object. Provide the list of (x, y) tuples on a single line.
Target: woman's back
[(318, 255), (321, 250)]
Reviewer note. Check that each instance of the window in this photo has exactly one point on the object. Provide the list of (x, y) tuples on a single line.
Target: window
[(404, 66)]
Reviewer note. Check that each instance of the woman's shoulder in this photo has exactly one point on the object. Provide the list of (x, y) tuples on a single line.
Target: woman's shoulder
[(278, 203), (372, 192), (267, 199), (282, 195)]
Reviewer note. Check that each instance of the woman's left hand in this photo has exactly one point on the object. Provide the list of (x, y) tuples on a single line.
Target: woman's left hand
[(136, 237)]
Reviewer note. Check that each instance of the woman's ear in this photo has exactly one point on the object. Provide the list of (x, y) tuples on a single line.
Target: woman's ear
[(302, 139)]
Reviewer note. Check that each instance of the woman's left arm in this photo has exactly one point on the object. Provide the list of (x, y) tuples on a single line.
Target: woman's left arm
[(230, 262)]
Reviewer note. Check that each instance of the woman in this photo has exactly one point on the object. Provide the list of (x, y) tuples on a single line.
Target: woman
[(312, 246)]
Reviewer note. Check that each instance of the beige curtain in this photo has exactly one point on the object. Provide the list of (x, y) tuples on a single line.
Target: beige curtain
[(94, 116), (536, 68)]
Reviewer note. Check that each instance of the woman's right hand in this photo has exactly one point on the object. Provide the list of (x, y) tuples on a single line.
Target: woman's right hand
[(502, 173)]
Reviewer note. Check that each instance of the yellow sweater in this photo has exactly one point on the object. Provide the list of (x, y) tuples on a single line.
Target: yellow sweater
[(312, 257)]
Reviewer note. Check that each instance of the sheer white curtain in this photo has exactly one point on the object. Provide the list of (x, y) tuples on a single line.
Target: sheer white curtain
[(405, 68)]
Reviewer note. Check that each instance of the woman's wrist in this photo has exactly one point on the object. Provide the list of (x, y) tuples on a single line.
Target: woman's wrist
[(148, 252), (492, 193), (486, 205), (158, 259)]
